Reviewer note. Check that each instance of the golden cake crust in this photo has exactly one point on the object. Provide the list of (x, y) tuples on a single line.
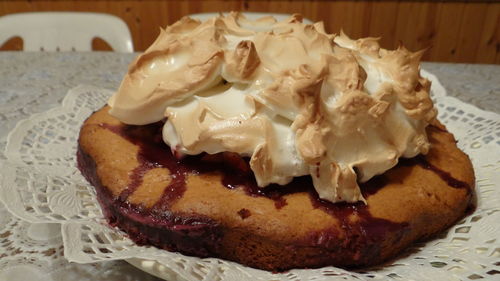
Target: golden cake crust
[(412, 201)]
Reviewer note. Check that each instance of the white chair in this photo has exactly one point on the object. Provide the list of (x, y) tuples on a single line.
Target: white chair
[(65, 31), (249, 15)]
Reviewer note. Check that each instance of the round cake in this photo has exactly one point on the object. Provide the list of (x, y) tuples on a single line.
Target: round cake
[(210, 206), (275, 145)]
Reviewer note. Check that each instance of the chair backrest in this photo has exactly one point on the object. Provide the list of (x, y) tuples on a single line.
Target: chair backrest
[(65, 31), (249, 15)]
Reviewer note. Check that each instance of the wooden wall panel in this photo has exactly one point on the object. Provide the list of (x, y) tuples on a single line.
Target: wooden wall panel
[(469, 38), (488, 50), (453, 31), (448, 29)]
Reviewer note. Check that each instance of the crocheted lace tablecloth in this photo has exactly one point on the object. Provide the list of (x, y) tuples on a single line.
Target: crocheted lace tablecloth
[(34, 83)]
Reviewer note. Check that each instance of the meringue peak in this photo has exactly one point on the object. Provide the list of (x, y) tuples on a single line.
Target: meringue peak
[(295, 99)]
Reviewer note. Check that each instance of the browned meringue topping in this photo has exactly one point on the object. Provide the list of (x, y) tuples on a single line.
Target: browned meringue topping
[(295, 99), (242, 62)]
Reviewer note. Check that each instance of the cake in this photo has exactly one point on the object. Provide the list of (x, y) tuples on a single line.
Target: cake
[(275, 145)]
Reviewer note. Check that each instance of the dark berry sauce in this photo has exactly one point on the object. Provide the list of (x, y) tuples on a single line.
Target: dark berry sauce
[(359, 237), (244, 213), (154, 153), (445, 176)]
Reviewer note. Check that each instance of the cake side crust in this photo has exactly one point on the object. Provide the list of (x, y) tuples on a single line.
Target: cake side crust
[(344, 235)]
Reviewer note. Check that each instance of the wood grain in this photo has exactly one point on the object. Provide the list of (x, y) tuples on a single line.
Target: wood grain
[(453, 31)]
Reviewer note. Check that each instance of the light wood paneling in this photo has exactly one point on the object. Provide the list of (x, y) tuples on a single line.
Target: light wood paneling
[(448, 31), (453, 31)]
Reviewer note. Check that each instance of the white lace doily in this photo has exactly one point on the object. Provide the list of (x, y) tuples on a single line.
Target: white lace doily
[(40, 183)]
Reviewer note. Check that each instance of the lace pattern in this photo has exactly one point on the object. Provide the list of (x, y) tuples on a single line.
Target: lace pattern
[(40, 183)]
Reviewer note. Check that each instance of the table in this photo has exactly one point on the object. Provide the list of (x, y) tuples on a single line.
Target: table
[(35, 82)]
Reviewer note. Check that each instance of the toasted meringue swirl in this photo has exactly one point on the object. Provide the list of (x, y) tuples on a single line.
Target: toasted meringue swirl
[(296, 100)]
